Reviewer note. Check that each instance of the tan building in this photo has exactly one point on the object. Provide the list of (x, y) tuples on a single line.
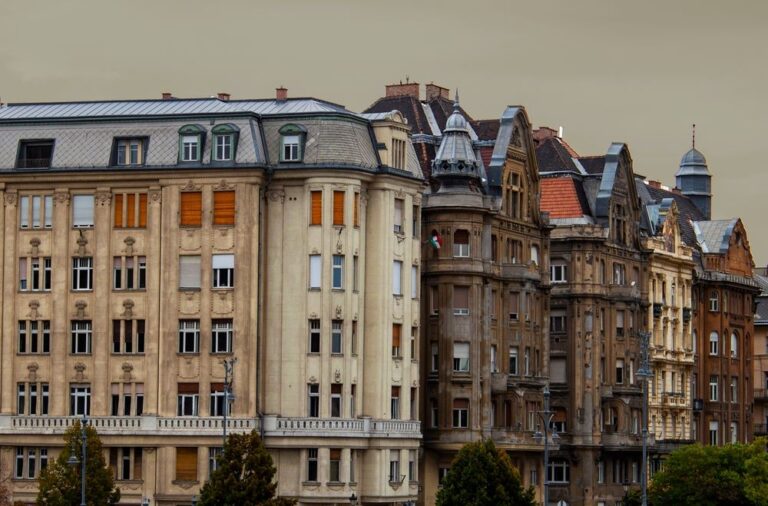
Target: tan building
[(760, 356), (147, 241)]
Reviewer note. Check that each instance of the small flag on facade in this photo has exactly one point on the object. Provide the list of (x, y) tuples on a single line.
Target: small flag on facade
[(436, 241)]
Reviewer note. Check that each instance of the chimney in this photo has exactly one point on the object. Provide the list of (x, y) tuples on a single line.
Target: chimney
[(543, 133), (654, 184), (167, 95), (224, 97), (403, 90), (434, 91), (281, 94), (560, 132)]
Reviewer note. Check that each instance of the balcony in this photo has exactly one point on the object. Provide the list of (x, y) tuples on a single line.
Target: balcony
[(277, 426), (673, 399), (761, 394), (624, 291), (498, 382), (760, 429), (128, 425)]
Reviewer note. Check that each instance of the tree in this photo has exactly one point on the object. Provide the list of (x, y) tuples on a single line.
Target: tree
[(482, 475), (243, 475), (727, 475), (60, 481)]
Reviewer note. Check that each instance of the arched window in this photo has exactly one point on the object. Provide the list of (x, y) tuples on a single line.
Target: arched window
[(461, 243), (734, 345), (714, 342)]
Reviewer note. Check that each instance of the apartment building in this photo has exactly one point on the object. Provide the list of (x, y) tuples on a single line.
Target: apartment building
[(145, 242)]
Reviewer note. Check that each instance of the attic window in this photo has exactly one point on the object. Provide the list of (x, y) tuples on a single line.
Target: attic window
[(129, 151), (35, 154), (191, 140), (225, 139), (292, 142)]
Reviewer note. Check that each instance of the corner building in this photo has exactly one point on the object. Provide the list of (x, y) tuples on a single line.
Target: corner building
[(147, 241)]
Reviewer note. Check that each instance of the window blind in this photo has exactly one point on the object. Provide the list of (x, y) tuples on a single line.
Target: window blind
[(189, 271), (191, 208), (316, 208), (186, 464), (338, 208), (82, 210), (224, 208), (223, 261), (315, 271)]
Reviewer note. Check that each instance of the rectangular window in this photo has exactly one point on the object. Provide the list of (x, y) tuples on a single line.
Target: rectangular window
[(714, 341), (394, 404), (312, 464), (461, 300), (315, 271), (224, 208), (81, 337), (82, 211), (30, 462), (734, 390), (558, 472), (337, 336), (412, 465), (313, 392), (334, 469), (36, 153), (41, 209), (130, 210), (398, 218), (415, 221), (338, 208), (189, 271), (557, 323), (414, 282), (191, 209), (433, 413), (316, 208), (713, 388), (355, 273), (619, 274), (82, 273), (434, 358), (527, 361), (129, 152), (336, 400), (34, 336), (514, 306), (186, 464), (32, 399), (620, 323), (714, 301), (352, 402), (494, 359), (414, 346), (513, 359), (713, 430), (337, 272), (213, 459), (223, 147), (314, 336), (190, 148), (356, 210), (189, 336), (461, 413), (221, 336), (223, 271), (558, 273), (291, 148), (188, 399), (126, 463), (218, 399), (394, 466), (79, 400), (461, 243), (127, 336), (434, 308), (397, 330), (126, 275), (397, 277), (619, 371), (461, 357)]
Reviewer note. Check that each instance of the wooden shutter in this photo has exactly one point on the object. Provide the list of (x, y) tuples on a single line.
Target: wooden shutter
[(119, 210), (131, 210), (191, 209), (461, 404), (395, 392), (143, 210), (396, 333), (188, 388), (217, 387), (186, 464), (357, 210), (224, 208), (338, 208), (137, 464), (316, 217), (335, 453)]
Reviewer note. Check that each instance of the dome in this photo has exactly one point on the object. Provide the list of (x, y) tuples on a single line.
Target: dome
[(693, 163), (693, 157), (456, 121)]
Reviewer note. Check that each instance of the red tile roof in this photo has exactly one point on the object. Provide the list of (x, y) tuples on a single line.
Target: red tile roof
[(559, 197), (486, 152)]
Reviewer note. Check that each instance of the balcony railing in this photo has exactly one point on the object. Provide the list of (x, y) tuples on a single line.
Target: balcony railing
[(761, 394), (760, 429), (128, 425), (340, 427)]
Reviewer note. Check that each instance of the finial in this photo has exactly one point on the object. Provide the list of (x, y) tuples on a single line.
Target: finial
[(456, 101), (693, 136)]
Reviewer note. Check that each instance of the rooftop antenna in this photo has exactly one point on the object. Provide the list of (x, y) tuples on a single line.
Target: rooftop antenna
[(456, 101), (407, 79), (693, 136)]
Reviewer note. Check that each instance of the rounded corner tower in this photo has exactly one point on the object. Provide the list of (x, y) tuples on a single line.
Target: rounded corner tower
[(695, 182)]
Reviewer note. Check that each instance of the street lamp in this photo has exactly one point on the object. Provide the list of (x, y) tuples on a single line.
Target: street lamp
[(644, 373), (546, 418), (73, 460), (353, 499)]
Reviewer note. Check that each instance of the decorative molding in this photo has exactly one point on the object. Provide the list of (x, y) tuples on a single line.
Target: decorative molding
[(82, 241), (312, 380), (128, 309), (190, 187), (80, 306), (32, 367), (11, 199), (80, 371), (154, 195), (33, 306), (35, 246), (339, 313), (103, 198), (127, 371), (223, 186), (61, 198), (337, 376), (313, 316)]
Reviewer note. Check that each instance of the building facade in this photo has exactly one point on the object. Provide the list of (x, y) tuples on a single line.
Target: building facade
[(145, 242), (760, 357)]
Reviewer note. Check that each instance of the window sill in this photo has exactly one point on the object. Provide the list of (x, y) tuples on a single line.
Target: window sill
[(337, 290), (310, 483), (33, 291), (185, 483), (32, 353), (127, 353), (221, 353), (313, 353), (129, 290), (337, 354), (83, 227), (335, 483), (223, 225), (223, 288), (129, 482), (82, 290), (75, 354), (188, 353), (189, 288), (398, 358), (129, 228), (315, 289)]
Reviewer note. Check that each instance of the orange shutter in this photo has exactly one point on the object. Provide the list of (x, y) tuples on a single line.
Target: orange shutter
[(357, 210), (224, 208), (396, 331), (137, 464), (316, 208), (192, 209), (131, 210), (338, 208), (186, 464), (143, 210), (335, 453), (119, 210)]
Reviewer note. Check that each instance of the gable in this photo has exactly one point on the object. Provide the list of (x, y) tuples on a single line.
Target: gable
[(738, 258)]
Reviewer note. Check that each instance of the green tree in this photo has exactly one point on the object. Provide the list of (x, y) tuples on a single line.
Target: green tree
[(243, 476), (727, 475), (60, 481), (482, 475)]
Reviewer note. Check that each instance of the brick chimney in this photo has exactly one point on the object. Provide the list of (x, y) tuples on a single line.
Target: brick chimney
[(224, 97), (281, 94), (434, 91), (403, 90), (654, 184), (167, 95), (544, 133)]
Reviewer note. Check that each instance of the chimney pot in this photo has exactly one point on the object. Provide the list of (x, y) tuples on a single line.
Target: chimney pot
[(281, 93), (403, 90), (224, 96), (167, 95), (434, 91)]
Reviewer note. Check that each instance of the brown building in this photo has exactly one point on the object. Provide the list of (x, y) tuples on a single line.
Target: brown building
[(760, 357)]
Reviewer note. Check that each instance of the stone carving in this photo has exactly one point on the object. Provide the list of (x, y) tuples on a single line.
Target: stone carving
[(337, 376), (339, 312), (127, 309), (190, 186), (103, 198), (61, 198), (312, 380), (79, 371), (82, 241), (129, 242), (154, 195), (276, 196), (223, 186), (32, 368), (11, 199), (80, 306), (35, 246), (33, 306), (127, 371)]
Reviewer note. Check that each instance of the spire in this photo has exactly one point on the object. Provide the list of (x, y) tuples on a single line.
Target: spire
[(456, 102), (693, 136), (455, 162)]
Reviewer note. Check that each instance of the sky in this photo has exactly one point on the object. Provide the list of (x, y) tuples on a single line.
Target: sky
[(629, 71)]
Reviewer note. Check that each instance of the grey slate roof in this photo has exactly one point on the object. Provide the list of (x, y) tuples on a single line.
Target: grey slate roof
[(713, 236)]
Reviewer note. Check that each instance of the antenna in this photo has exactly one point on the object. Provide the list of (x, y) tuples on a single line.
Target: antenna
[(693, 136)]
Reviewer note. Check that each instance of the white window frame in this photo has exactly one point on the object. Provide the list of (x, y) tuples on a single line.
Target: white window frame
[(82, 266), (222, 333), (189, 329), (81, 334), (290, 148), (190, 148), (337, 272), (188, 404), (79, 399), (337, 337), (558, 273), (224, 143), (714, 343), (82, 211), (223, 271), (397, 277), (315, 272), (314, 336), (461, 357), (714, 388)]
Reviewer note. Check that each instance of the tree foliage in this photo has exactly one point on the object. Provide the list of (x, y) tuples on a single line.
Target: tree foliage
[(482, 475), (60, 481), (727, 475), (243, 476)]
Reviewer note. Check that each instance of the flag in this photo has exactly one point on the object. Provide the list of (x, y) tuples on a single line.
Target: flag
[(436, 241)]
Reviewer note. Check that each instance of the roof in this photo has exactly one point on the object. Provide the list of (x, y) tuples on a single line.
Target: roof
[(593, 164), (688, 212), (693, 163), (714, 235), (486, 129), (553, 156), (560, 197)]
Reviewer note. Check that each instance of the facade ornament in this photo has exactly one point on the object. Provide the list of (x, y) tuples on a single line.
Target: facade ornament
[(415, 322), (11, 198), (129, 242), (313, 316), (363, 198), (337, 376), (276, 196), (190, 187), (61, 198), (32, 368), (33, 306), (35, 244), (79, 371), (103, 198), (127, 371), (154, 195), (355, 317), (128, 308), (80, 306), (312, 380), (339, 312), (314, 251), (82, 241), (223, 186)]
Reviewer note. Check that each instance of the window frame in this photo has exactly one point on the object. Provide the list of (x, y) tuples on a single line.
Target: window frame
[(187, 132), (223, 131), (22, 158), (80, 222), (222, 329), (124, 145), (81, 337), (292, 132), (223, 276), (192, 327)]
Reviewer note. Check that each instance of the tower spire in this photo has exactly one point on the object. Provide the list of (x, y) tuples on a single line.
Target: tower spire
[(456, 101), (693, 136)]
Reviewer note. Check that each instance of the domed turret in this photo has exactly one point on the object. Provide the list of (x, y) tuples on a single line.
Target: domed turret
[(455, 163), (694, 180)]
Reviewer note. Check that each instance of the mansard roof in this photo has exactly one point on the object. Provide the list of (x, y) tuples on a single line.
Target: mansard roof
[(652, 194), (714, 236), (563, 198)]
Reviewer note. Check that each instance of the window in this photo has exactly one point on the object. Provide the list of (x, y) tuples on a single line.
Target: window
[(219, 399), (188, 396), (126, 463), (337, 278), (494, 363), (734, 390), (398, 220), (36, 210), (130, 210), (558, 273), (514, 305), (355, 273), (434, 361), (189, 271), (35, 274), (186, 464), (394, 403), (34, 154), (82, 211), (334, 470), (129, 151), (315, 271), (128, 336), (191, 209), (513, 352), (313, 391), (337, 336), (412, 469), (189, 336), (461, 300), (714, 340), (126, 275), (619, 274), (415, 221), (527, 361), (399, 151), (30, 462), (394, 466), (213, 459), (461, 413), (397, 277), (713, 436), (191, 143), (534, 254), (81, 337), (338, 208), (79, 400), (127, 399), (34, 336), (620, 323), (713, 388), (82, 273), (557, 323), (32, 398), (433, 411), (223, 271), (224, 208), (414, 282), (316, 208), (714, 301), (221, 336), (352, 402), (461, 243), (397, 330), (461, 357), (312, 464), (314, 336), (336, 400), (619, 371), (558, 472), (291, 148), (356, 210), (434, 308), (225, 137), (734, 345)]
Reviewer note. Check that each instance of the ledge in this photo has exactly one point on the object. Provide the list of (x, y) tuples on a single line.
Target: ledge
[(276, 426)]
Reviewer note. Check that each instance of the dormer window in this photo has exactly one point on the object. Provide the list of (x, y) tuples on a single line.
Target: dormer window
[(292, 143), (129, 151), (191, 138), (224, 142), (34, 154)]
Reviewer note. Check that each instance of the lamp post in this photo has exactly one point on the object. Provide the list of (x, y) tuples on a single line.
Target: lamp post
[(644, 373), (353, 499), (73, 460), (145, 501), (546, 418), (229, 366)]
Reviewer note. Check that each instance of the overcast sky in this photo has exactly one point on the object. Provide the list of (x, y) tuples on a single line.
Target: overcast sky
[(634, 71)]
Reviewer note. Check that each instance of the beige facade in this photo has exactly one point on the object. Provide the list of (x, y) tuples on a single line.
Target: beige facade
[(129, 277)]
